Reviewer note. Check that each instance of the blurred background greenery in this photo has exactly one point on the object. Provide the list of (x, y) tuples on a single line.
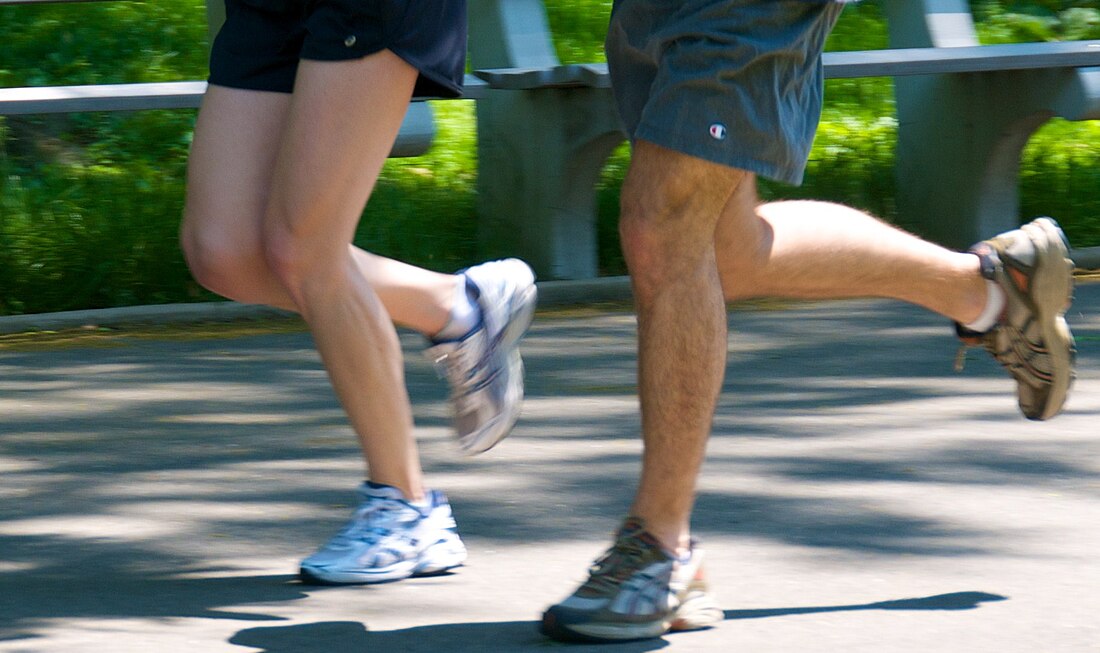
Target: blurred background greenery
[(90, 203)]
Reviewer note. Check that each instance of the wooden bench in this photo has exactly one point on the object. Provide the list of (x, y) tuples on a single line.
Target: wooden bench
[(414, 139), (545, 130), (965, 111)]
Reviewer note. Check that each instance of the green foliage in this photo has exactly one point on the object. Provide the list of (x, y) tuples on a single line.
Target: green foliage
[(578, 27), (422, 209), (1037, 20), (1060, 177), (90, 203), (96, 226), (103, 42)]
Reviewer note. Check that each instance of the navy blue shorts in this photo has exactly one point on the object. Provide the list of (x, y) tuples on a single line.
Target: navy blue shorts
[(736, 82), (262, 41)]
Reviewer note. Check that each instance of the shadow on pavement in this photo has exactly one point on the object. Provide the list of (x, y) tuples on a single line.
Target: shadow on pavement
[(953, 601), (325, 637), (123, 469)]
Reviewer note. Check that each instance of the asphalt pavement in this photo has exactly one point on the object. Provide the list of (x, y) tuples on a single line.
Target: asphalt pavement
[(158, 486)]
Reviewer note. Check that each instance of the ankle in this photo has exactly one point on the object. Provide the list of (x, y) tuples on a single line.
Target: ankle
[(970, 291), (673, 538), (463, 313), (991, 312)]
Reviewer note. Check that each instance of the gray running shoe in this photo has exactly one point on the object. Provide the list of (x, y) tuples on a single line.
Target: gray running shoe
[(388, 539), (1031, 340), (635, 591), (484, 368)]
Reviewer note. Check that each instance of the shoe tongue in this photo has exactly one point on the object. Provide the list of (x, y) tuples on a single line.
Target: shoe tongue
[(631, 525), (1022, 250), (634, 527), (378, 491)]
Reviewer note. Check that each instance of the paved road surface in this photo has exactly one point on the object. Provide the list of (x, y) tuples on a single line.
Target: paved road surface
[(859, 495)]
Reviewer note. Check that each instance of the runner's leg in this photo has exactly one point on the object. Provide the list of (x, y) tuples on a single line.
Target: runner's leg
[(820, 250), (342, 121), (229, 180)]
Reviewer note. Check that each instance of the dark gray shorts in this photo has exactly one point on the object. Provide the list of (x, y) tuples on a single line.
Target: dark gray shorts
[(262, 41), (736, 82)]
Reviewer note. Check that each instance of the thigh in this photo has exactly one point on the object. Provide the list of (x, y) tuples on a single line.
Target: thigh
[(742, 239), (231, 164), (344, 117)]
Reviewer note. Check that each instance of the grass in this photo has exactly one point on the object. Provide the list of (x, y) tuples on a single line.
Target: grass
[(90, 203)]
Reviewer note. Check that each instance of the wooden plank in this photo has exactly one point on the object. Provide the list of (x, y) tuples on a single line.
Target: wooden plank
[(103, 97), (970, 59), (129, 97), (870, 63), (47, 2), (565, 76)]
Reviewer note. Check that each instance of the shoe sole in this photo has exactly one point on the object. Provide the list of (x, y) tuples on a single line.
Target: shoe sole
[(552, 627), (1051, 291), (698, 611), (520, 315), (437, 559)]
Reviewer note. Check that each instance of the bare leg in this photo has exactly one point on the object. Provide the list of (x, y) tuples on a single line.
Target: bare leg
[(819, 250), (694, 235), (337, 131), (229, 181), (670, 206)]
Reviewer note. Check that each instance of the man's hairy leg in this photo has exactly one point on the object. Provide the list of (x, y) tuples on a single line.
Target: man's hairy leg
[(820, 250), (670, 205)]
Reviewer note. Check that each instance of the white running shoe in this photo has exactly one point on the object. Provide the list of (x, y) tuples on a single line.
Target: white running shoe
[(388, 538), (484, 368)]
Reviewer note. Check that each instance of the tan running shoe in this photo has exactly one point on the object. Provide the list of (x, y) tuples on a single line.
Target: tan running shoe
[(1031, 339), (635, 591)]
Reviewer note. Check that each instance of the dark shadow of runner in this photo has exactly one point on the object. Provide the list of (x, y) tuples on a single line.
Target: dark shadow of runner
[(498, 636), (324, 637), (952, 601)]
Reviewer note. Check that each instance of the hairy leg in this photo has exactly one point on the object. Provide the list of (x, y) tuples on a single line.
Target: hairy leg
[(670, 206), (229, 181), (820, 250), (342, 121)]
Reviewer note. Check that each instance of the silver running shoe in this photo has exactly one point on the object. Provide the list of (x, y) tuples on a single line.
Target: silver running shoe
[(1031, 340), (635, 591), (388, 539), (484, 368)]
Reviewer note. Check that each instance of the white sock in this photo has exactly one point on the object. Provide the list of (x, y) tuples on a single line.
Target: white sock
[(465, 315), (994, 305)]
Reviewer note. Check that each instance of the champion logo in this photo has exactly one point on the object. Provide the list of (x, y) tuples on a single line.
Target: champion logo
[(718, 131)]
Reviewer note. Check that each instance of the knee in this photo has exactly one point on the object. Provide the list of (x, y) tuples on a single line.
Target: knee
[(209, 258), (300, 263), (222, 263), (283, 254), (662, 228)]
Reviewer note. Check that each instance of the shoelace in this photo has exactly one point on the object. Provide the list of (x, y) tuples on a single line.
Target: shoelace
[(461, 368), (617, 565), (1010, 358), (371, 522), (454, 365), (960, 355)]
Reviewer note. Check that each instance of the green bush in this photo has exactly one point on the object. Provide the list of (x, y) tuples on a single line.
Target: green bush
[(90, 203)]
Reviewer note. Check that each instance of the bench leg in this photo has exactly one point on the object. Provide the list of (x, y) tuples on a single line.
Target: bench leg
[(540, 154), (959, 144)]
